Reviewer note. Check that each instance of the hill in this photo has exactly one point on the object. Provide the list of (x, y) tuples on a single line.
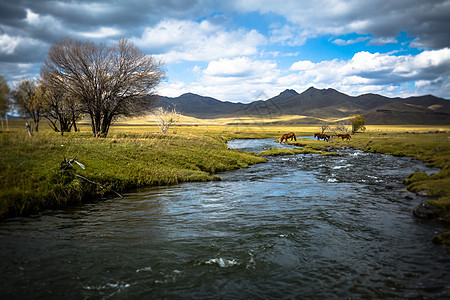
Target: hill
[(315, 105)]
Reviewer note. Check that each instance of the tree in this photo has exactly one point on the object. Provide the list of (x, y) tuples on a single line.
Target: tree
[(357, 122), (61, 109), (324, 126), (342, 127), (29, 100), (107, 81), (5, 101), (165, 117)]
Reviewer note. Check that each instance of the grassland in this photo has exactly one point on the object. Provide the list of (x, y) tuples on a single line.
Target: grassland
[(135, 155), (30, 178)]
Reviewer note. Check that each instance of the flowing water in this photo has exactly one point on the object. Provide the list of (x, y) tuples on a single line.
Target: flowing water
[(303, 226)]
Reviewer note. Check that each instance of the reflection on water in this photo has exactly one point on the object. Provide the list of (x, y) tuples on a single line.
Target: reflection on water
[(304, 226)]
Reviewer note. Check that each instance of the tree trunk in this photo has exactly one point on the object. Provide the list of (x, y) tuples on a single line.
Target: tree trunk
[(36, 125), (74, 122), (106, 123)]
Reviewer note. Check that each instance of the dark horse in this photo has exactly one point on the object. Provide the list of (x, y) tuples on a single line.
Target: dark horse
[(323, 136), (343, 136), (287, 136)]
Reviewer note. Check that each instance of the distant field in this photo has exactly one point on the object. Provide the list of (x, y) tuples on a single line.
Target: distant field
[(245, 127)]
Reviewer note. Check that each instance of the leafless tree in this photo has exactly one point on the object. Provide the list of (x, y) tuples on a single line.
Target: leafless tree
[(165, 117), (5, 101), (108, 81), (342, 127), (61, 109), (324, 126), (29, 101)]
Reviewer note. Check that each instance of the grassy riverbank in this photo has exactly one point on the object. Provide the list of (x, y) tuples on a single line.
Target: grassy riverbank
[(30, 178)]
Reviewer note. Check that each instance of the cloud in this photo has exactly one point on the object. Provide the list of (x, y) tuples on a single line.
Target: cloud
[(290, 35), (8, 43), (302, 65), (100, 33), (192, 41), (240, 67), (381, 41), (427, 20), (341, 42), (244, 79), (378, 72), (236, 79)]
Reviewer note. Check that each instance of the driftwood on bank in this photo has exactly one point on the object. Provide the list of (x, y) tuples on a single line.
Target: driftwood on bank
[(68, 164)]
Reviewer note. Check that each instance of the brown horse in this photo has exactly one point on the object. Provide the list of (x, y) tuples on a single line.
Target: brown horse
[(287, 136), (345, 136), (323, 136)]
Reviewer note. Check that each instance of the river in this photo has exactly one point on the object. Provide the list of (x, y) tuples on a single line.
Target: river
[(303, 226)]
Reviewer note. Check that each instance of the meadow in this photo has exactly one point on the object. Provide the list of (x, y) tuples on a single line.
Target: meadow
[(135, 155)]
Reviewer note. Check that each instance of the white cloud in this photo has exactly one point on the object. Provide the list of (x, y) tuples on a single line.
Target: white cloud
[(32, 18), (290, 35), (236, 79), (341, 42), (102, 32), (377, 72), (43, 22), (244, 79), (302, 65), (239, 67), (187, 40), (8, 43)]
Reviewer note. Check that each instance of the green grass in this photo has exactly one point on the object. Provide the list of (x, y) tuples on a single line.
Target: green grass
[(30, 179)]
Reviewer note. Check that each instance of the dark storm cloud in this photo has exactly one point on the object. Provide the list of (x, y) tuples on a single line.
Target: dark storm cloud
[(29, 27), (427, 20)]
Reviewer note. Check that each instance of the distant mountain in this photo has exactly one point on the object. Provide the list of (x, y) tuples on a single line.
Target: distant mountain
[(198, 106), (313, 105)]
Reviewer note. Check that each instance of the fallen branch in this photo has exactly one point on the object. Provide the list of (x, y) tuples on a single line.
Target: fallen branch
[(68, 165), (90, 181)]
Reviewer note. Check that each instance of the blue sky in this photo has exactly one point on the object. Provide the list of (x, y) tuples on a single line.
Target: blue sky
[(243, 50)]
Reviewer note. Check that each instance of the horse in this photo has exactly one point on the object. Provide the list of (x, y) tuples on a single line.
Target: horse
[(287, 136), (343, 136), (323, 136)]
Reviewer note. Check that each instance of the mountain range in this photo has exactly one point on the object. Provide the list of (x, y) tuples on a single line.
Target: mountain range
[(315, 105)]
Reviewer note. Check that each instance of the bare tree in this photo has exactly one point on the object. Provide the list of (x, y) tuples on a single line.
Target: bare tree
[(61, 109), (29, 100), (107, 81), (323, 127), (165, 117), (5, 101), (342, 127)]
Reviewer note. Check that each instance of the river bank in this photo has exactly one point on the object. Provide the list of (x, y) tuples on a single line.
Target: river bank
[(31, 178)]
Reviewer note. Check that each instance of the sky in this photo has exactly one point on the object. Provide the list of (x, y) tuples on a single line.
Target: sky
[(246, 50)]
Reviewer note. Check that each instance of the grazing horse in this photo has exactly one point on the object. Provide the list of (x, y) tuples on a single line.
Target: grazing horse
[(323, 136), (346, 136), (287, 136)]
